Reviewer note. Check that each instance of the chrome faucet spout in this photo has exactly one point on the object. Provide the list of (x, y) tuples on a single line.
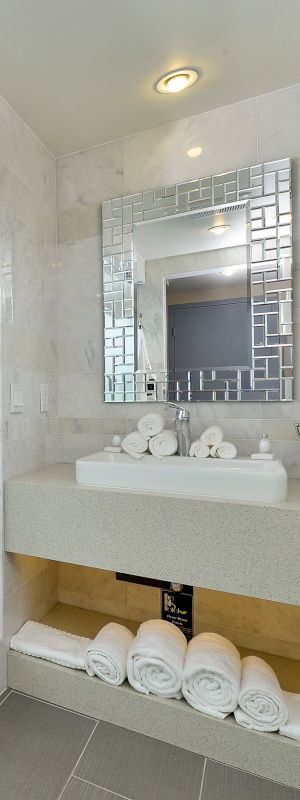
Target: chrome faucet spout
[(182, 428)]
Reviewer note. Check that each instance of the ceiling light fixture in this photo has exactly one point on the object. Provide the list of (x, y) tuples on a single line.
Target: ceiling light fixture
[(176, 81), (219, 229), (194, 152)]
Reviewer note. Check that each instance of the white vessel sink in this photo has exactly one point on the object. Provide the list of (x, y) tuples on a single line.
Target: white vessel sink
[(240, 479)]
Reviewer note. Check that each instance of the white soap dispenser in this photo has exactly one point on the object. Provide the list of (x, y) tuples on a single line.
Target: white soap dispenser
[(264, 449), (115, 446)]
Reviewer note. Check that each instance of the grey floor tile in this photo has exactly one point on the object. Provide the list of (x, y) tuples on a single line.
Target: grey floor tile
[(79, 790), (226, 783), (39, 747), (139, 767)]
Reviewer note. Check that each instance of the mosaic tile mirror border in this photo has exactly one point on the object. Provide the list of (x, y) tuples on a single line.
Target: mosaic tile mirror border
[(265, 190)]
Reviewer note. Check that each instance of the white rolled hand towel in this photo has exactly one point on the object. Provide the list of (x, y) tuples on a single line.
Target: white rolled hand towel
[(135, 445), (224, 450), (164, 444), (211, 436), (106, 655), (150, 425), (199, 450), (211, 675), (292, 727), (156, 658), (262, 705), (41, 641)]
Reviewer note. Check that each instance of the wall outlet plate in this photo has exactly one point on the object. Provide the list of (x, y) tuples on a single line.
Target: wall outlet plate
[(16, 398)]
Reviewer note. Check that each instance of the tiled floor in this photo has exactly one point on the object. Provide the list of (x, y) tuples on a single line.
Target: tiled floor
[(48, 753)]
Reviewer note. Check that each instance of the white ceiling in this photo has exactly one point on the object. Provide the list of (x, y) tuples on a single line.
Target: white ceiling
[(81, 72)]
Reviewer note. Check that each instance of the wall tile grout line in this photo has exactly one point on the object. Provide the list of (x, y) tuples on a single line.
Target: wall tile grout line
[(6, 696), (202, 779), (77, 762), (104, 788)]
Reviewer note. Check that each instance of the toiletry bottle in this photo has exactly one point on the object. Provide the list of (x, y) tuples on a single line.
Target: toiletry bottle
[(116, 440), (264, 445)]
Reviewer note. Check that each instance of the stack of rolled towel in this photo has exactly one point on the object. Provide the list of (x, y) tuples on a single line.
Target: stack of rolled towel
[(150, 436), (207, 672), (211, 444)]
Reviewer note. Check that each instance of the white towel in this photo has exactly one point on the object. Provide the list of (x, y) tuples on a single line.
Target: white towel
[(211, 675), (262, 705), (164, 444), (292, 726), (211, 436), (224, 450), (199, 450), (106, 655), (135, 445), (156, 658), (41, 641), (150, 425)]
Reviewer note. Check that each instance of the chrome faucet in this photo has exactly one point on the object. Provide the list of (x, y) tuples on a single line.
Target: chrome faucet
[(182, 428)]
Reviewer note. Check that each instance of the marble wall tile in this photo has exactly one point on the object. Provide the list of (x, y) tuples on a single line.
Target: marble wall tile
[(83, 356), (73, 446), (97, 589), (32, 600), (81, 395), (81, 222), (79, 290), (158, 157), (90, 176), (278, 119), (279, 621)]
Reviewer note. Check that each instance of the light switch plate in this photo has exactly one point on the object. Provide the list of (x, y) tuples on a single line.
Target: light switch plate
[(44, 398), (16, 398)]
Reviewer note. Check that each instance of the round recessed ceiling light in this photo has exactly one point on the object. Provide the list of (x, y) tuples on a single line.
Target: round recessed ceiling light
[(176, 81), (219, 229), (194, 152)]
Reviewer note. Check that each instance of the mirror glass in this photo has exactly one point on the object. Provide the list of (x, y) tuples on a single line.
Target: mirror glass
[(192, 298), (197, 288)]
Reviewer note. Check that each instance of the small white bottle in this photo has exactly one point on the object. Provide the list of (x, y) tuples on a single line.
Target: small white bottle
[(264, 449), (116, 440), (265, 445), (115, 446)]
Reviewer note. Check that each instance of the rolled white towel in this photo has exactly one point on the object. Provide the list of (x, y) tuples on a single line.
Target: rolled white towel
[(262, 705), (135, 445), (150, 425), (292, 726), (156, 658), (199, 450), (211, 436), (211, 675), (106, 655), (41, 641), (224, 450), (164, 444)]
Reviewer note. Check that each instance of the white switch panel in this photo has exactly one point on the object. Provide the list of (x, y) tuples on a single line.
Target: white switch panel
[(16, 398), (44, 404)]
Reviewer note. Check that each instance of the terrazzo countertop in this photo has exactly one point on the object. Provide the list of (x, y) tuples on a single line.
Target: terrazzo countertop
[(244, 547)]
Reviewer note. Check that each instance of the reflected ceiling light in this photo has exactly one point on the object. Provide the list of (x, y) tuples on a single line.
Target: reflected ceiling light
[(176, 81), (194, 152), (219, 229)]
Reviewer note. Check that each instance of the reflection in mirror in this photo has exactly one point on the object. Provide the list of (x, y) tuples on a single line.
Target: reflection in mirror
[(193, 298)]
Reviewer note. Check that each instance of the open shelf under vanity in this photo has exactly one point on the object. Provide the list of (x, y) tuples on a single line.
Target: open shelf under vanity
[(266, 754)]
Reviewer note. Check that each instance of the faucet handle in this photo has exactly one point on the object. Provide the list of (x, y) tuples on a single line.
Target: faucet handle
[(181, 412)]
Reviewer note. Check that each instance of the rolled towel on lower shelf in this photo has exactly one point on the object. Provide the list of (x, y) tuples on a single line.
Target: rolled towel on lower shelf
[(292, 727), (135, 445), (156, 658), (224, 450), (164, 444), (106, 655), (211, 675), (262, 705), (199, 450), (41, 641)]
